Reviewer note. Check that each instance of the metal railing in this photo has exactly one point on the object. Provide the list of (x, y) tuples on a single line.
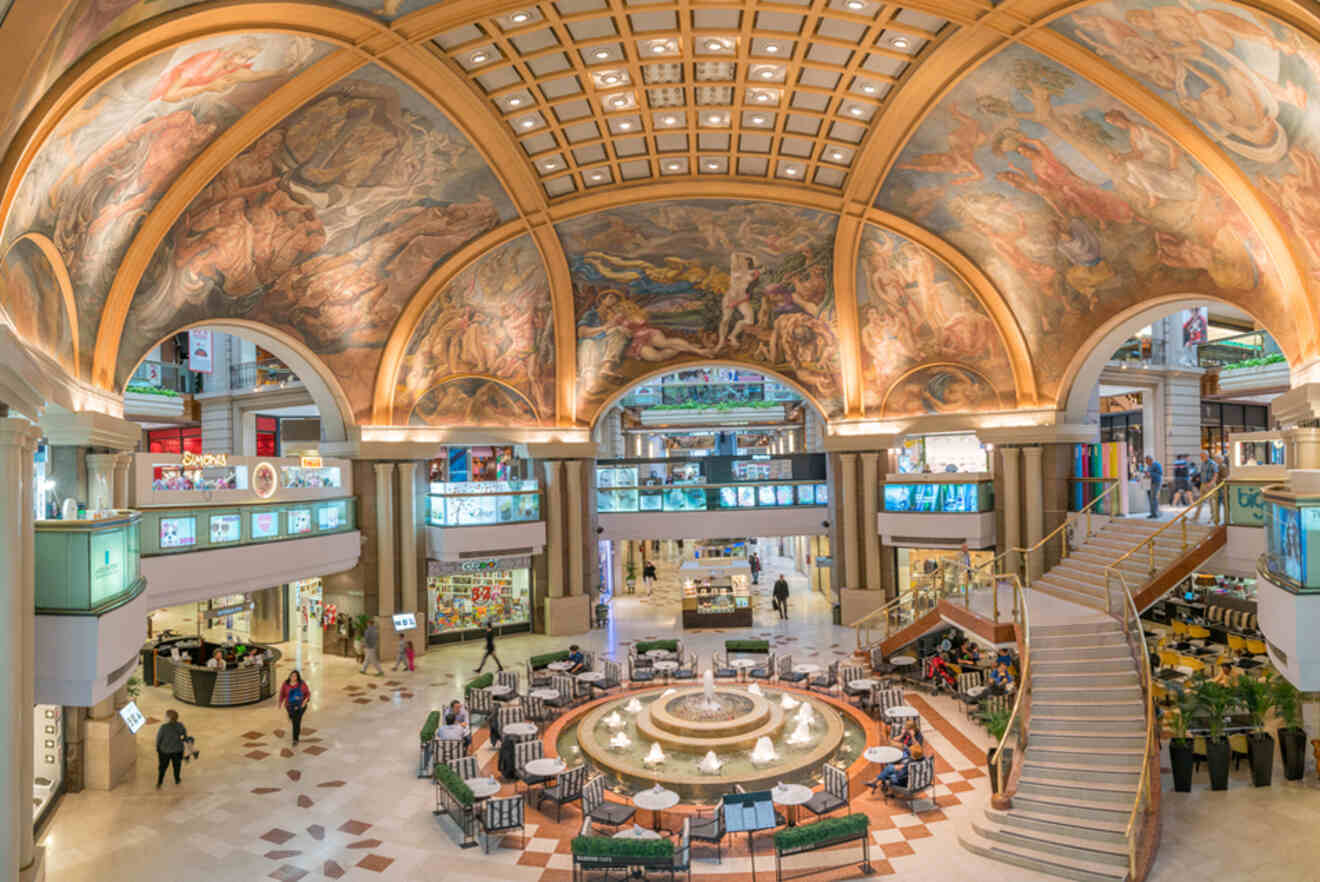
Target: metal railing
[(953, 581), (1065, 532), (261, 374), (164, 375), (1231, 350), (1144, 350), (677, 394), (1012, 747), (703, 496)]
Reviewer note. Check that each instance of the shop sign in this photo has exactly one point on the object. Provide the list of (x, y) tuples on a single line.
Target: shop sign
[(824, 561), (107, 564), (227, 611), (204, 460), (133, 717), (199, 350), (309, 462), (265, 480), (1246, 505), (477, 565)]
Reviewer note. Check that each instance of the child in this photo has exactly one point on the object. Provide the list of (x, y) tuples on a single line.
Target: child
[(411, 656), (401, 656)]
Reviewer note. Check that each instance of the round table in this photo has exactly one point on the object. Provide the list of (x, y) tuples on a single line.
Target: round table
[(544, 694), (666, 667), (500, 690), (560, 666), (655, 800), (591, 676), (902, 661), (791, 795), (482, 788), (657, 653), (546, 767), (977, 691), (865, 683), (902, 712), (520, 730), (635, 832), (806, 668), (882, 755)]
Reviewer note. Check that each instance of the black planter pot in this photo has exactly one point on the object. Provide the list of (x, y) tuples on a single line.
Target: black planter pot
[(1217, 755), (1292, 747), (1180, 757), (1260, 747), (993, 767)]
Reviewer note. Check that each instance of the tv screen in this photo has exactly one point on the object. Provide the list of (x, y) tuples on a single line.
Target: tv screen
[(898, 497), (925, 497), (225, 528), (300, 521), (265, 524), (405, 621), (178, 532), (329, 518)]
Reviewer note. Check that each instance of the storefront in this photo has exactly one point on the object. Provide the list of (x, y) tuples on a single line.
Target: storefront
[(961, 452), (47, 759), (213, 620), (474, 486), (462, 595), (308, 607), (918, 567)]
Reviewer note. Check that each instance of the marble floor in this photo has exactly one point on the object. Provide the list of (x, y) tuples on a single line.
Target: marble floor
[(346, 804)]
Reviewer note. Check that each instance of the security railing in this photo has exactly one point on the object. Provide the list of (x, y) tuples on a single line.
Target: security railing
[(152, 376), (1236, 349), (965, 585), (1012, 747), (711, 497), (752, 393), (261, 374)]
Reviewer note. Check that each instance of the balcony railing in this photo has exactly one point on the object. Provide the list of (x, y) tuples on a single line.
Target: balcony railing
[(761, 393), (1142, 350), (159, 375), (711, 497), (1233, 350), (264, 374)]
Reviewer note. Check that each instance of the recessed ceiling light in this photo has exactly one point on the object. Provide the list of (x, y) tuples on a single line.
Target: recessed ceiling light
[(610, 79), (619, 101), (764, 96), (602, 53), (479, 57), (551, 166), (674, 166), (597, 176), (837, 156), (625, 125), (520, 17), (514, 102), (899, 42), (713, 120), (791, 170), (528, 123), (855, 4), (714, 45), (767, 75), (869, 89), (659, 46), (855, 111), (758, 120), (772, 48), (712, 165), (671, 120)]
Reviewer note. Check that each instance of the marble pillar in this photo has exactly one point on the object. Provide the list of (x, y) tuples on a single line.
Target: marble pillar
[(1033, 512), (408, 526), (1012, 503), (846, 485), (100, 481), (384, 539), (123, 475), (870, 491), (574, 512)]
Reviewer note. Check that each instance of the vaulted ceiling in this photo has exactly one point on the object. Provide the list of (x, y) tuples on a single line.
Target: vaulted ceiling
[(499, 213)]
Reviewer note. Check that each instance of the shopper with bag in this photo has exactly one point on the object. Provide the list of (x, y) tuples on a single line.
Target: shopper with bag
[(171, 740), (295, 695)]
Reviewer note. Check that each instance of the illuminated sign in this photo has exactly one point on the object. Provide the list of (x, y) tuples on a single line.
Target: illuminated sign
[(309, 462), (205, 460), (265, 480), (481, 565), (132, 717)]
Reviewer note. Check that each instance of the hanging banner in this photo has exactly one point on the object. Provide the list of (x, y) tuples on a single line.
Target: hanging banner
[(199, 350), (1196, 325)]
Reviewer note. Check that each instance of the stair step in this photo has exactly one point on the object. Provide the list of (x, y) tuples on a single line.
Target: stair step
[(1111, 833), (1119, 795), (1088, 665), (1061, 641), (1098, 757), (1085, 739), (1079, 708), (1040, 768), (1071, 596), (1055, 843), (1031, 859), (1102, 651), (1075, 807), (1112, 725), (1073, 629), (1084, 678)]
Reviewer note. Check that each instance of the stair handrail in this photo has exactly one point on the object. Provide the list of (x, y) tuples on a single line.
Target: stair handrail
[(1183, 518), (1086, 510), (1131, 621), (968, 585), (1022, 620), (865, 622)]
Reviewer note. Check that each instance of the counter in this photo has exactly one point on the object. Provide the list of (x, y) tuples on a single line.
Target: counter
[(726, 605), (207, 687)]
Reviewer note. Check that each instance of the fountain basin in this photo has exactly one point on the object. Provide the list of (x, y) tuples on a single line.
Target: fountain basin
[(678, 721)]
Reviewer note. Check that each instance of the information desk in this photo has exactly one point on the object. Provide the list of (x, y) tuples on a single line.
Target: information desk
[(717, 602), (197, 684)]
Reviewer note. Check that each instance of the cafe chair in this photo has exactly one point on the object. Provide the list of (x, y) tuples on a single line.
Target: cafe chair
[(1237, 643), (564, 685), (686, 670), (480, 704), (682, 853), (786, 672), (567, 789), (465, 767), (613, 677), (506, 715), (1179, 629), (885, 699), (638, 672), (536, 710), (523, 753), (835, 794), (849, 673), (510, 679), (827, 681), (765, 671), (498, 815), (1197, 632), (1256, 647), (449, 749), (921, 777), (1240, 751), (780, 820), (967, 682), (878, 663), (537, 679), (710, 830), (719, 666), (595, 807)]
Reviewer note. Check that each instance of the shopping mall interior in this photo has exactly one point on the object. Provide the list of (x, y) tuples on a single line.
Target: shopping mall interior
[(732, 438)]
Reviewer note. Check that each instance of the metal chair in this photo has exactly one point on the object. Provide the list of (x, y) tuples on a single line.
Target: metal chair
[(595, 807), (719, 666), (567, 689), (498, 815), (567, 789), (765, 671), (479, 702), (465, 767), (786, 672), (536, 710), (683, 852), (523, 753), (920, 777), (827, 681), (711, 830), (613, 677), (510, 679), (639, 670), (967, 682), (448, 749), (849, 673), (537, 678), (834, 796), (686, 670)]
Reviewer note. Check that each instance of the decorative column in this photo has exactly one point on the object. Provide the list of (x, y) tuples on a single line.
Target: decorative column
[(567, 605), (408, 540), (1034, 507), (575, 511), (848, 546), (123, 475), (870, 489), (1012, 502), (100, 480), (554, 528), (384, 539)]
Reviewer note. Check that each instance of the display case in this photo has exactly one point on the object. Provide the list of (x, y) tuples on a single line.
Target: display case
[(948, 497), (717, 602), (188, 479), (88, 566), (472, 503), (461, 602), (175, 530)]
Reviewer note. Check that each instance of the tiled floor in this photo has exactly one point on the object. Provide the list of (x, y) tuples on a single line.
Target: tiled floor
[(346, 804)]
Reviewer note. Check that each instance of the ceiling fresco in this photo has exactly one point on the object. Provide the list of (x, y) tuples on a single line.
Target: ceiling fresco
[(1250, 83), (109, 161), (1075, 206), (472, 401), (32, 302), (911, 310), (324, 228), (700, 279), (493, 319)]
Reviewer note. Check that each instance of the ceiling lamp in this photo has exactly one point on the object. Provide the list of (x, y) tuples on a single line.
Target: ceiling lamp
[(716, 46), (837, 156), (772, 48), (791, 170), (528, 123), (602, 54), (856, 111), (551, 166), (714, 119), (625, 125), (619, 100), (899, 42), (855, 4), (713, 166), (674, 166), (597, 176), (480, 57), (758, 120), (610, 79), (514, 102), (520, 17), (670, 120), (869, 89)]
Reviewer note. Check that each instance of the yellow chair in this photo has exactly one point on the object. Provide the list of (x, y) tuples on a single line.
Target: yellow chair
[(1168, 658), (1191, 664), (1196, 632), (1237, 643), (1179, 628), (1238, 744), (1256, 647)]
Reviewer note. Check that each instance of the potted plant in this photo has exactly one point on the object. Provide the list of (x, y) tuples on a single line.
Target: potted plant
[(1181, 752), (630, 575), (1215, 700), (1292, 737), (1256, 696), (995, 721)]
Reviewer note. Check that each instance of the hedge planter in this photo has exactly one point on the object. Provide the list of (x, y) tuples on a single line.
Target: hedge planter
[(1260, 747), (1292, 747), (1217, 755), (1181, 757), (746, 645), (645, 646), (478, 683), (541, 661)]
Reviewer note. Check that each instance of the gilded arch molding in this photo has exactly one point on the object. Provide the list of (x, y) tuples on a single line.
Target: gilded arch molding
[(61, 271)]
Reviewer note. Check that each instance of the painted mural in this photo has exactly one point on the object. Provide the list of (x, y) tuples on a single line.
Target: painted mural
[(111, 159), (472, 401), (913, 309), (324, 228), (941, 388), (31, 301), (670, 282), (1073, 205), (494, 318), (1250, 82)]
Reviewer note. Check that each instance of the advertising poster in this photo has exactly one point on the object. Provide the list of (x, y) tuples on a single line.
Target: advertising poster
[(300, 521), (1196, 325), (1289, 553), (199, 350), (107, 552), (178, 532), (225, 528), (265, 524)]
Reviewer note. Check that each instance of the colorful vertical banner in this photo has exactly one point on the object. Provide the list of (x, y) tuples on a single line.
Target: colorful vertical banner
[(199, 350), (1196, 325)]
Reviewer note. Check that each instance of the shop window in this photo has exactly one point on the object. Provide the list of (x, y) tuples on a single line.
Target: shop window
[(174, 440), (268, 436)]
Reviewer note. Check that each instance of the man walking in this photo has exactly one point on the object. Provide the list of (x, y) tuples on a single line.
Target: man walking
[(781, 595), (1209, 478), (169, 746), (371, 649), (490, 649), (1155, 475)]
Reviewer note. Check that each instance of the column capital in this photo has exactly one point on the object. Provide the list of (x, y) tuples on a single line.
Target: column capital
[(1298, 406), (18, 432), (102, 460), (1022, 436), (1032, 451), (383, 469)]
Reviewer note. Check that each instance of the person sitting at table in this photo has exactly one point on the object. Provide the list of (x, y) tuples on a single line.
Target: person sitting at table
[(1001, 679), (455, 725), (1004, 658), (910, 735), (577, 658), (217, 660), (971, 655), (1225, 675), (896, 773)]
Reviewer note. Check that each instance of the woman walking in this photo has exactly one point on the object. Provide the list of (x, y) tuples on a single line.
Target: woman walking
[(170, 740), (295, 695)]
